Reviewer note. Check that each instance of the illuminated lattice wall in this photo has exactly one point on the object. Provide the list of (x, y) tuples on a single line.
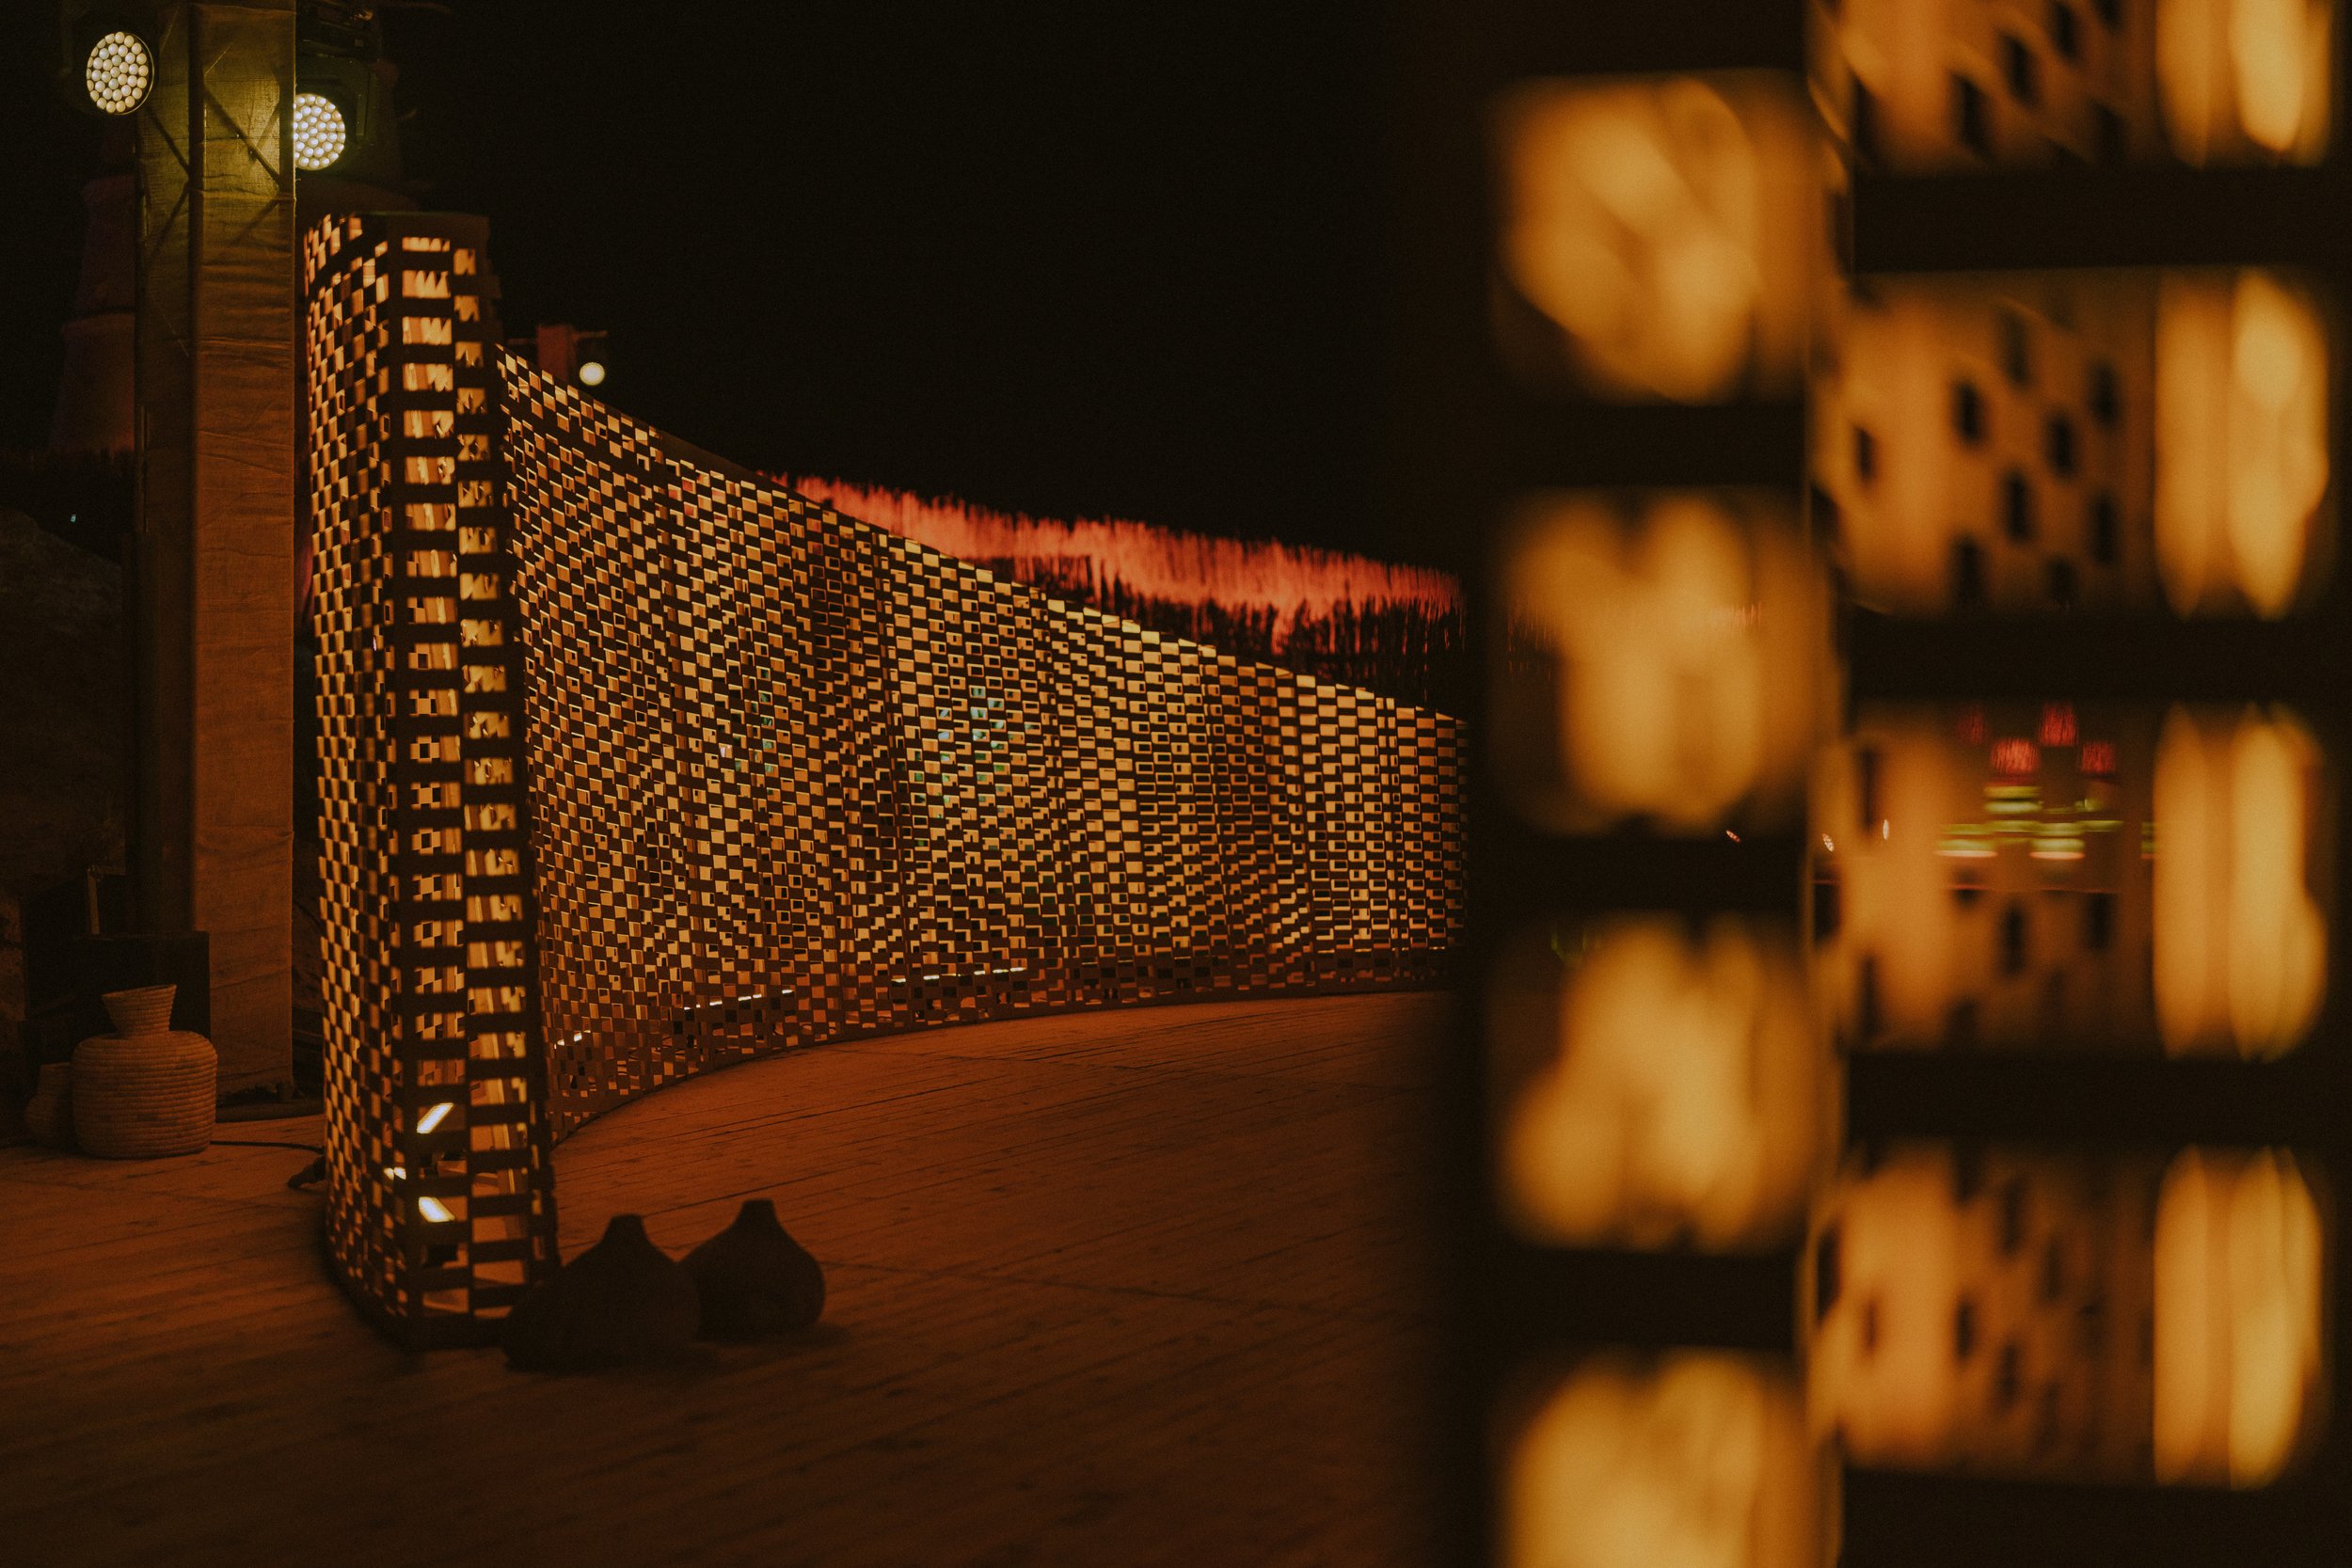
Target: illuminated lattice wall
[(440, 1196), (787, 778), (800, 779)]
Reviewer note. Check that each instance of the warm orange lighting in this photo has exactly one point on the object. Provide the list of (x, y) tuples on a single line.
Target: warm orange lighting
[(2240, 943), (1987, 891), (1920, 85), (2157, 886), (898, 792), (1062, 807), (2095, 441), (1986, 442), (1667, 658), (2059, 1314), (1664, 230), (2241, 452), (1337, 616), (1107, 561), (2016, 755), (1698, 1460), (2246, 80), (2238, 1359), (1660, 1087)]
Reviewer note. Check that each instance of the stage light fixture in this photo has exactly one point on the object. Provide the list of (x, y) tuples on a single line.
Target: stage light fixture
[(118, 73), (319, 132)]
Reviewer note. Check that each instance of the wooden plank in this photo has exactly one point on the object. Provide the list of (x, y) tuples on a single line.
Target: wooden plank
[(1139, 1288)]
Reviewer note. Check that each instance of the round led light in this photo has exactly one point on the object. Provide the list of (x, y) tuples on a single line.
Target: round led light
[(118, 73), (317, 132), (591, 374)]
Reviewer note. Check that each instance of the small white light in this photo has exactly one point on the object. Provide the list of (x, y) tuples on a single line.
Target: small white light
[(591, 374), (118, 73), (435, 1210), (433, 1117), (319, 132)]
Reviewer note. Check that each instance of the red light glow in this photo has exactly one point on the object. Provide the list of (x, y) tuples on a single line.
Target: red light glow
[(2016, 757), (2057, 724), (1106, 555)]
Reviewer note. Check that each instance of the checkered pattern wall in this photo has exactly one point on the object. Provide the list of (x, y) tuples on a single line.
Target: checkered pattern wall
[(786, 778), (440, 1194), (800, 779)]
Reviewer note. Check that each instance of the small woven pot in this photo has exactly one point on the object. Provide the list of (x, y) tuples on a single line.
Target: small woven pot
[(49, 1115), (149, 1091), (144, 1010)]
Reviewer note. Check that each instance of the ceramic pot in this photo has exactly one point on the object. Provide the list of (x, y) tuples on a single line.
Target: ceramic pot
[(49, 1115), (756, 1279), (622, 1300), (148, 1090)]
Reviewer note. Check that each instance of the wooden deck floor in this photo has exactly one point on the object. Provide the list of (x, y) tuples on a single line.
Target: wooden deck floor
[(1114, 1288)]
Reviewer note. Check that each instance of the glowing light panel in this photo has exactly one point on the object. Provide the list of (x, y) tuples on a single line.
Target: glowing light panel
[(1666, 656), (2122, 1318), (319, 132), (1662, 1086), (1660, 232), (1697, 1461), (118, 73), (2148, 880), (2245, 81)]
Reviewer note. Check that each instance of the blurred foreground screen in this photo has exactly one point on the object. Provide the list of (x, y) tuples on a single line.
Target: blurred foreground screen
[(2080, 441), (1691, 1461), (2062, 877), (1664, 658), (2090, 1317), (1936, 85)]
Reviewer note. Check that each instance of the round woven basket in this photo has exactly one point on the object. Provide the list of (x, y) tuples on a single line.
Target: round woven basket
[(148, 1091), (146, 1010)]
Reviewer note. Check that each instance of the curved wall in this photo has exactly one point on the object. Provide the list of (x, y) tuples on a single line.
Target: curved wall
[(632, 765), (796, 778)]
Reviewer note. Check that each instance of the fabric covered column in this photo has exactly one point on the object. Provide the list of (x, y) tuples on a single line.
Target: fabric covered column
[(213, 810)]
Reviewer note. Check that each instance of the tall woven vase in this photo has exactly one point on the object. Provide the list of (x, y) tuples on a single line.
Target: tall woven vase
[(147, 1090)]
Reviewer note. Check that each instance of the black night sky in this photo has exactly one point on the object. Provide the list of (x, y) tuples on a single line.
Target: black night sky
[(1072, 259)]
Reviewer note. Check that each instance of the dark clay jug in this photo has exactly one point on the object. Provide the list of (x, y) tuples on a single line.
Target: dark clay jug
[(621, 1301), (754, 1278)]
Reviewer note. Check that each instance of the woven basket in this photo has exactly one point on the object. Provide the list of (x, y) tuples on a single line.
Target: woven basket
[(146, 1010), (49, 1115), (149, 1091)]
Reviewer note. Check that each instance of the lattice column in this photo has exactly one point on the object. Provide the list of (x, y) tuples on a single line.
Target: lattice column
[(442, 1205)]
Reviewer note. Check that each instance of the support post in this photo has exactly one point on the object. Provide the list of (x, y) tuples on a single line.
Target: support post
[(213, 811)]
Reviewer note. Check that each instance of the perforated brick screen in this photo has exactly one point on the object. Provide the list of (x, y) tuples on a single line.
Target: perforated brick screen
[(789, 778)]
